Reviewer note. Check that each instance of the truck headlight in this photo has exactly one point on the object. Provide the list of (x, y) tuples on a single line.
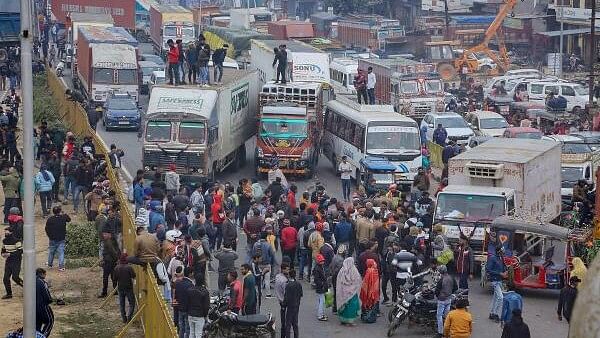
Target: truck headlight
[(305, 154)]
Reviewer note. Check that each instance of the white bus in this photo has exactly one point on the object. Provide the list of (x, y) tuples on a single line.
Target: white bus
[(342, 72), (355, 131)]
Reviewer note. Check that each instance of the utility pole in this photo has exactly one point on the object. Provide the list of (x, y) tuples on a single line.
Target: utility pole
[(593, 58), (560, 51), (28, 225), (447, 17)]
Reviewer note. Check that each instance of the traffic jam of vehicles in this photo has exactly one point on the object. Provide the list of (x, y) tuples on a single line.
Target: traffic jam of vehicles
[(511, 148)]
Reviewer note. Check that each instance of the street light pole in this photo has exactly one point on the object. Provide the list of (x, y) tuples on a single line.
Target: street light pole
[(28, 219), (592, 51)]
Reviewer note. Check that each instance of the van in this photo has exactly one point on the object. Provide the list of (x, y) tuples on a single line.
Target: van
[(576, 94)]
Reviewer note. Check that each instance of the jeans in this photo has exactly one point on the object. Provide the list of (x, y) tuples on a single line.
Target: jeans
[(291, 322), (291, 253), (443, 307), (320, 305), (346, 189), (184, 327), (173, 73), (362, 95), (497, 298), (181, 71), (192, 73), (218, 69), (282, 312), (371, 94), (463, 280), (46, 201), (304, 260), (107, 271), (12, 269), (196, 326), (281, 73), (79, 190), (219, 236), (69, 186), (266, 281), (204, 78), (126, 294), (53, 248)]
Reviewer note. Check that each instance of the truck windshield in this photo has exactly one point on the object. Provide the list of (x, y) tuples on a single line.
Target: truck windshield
[(104, 75), (570, 175), (391, 139), (158, 131), (470, 208), (493, 123), (576, 148), (188, 32), (409, 87), (433, 86), (283, 128), (127, 76), (170, 31), (192, 132)]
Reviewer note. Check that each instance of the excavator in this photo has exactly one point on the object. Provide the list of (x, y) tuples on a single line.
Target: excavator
[(494, 30)]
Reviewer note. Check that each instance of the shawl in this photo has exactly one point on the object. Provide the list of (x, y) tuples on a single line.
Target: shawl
[(348, 282), (369, 293)]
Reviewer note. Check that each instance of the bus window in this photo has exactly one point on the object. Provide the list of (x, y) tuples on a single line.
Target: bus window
[(341, 125), (350, 126)]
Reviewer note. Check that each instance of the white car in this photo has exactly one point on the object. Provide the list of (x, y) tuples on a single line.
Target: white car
[(457, 128), (487, 123), (575, 94)]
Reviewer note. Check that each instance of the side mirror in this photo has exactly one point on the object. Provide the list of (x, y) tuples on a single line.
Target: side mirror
[(430, 125)]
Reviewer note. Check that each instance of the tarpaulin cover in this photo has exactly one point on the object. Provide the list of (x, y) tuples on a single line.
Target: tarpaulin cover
[(237, 39), (473, 20)]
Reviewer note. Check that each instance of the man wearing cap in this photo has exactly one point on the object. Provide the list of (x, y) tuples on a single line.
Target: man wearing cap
[(172, 180), (321, 286), (444, 289), (566, 301), (145, 247), (496, 272)]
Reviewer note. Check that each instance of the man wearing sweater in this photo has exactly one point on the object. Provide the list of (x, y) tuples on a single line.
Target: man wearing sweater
[(226, 258), (197, 309), (56, 230)]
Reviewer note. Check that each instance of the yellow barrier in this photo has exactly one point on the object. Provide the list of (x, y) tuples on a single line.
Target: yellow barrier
[(435, 155), (155, 317)]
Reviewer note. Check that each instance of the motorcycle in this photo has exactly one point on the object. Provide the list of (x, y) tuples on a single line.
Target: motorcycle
[(60, 67), (224, 323), (419, 307)]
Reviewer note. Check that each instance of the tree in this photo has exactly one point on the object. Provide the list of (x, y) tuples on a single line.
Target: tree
[(343, 6)]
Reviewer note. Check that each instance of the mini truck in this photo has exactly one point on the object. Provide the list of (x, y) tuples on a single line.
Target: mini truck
[(200, 130), (501, 177), (417, 90), (170, 22), (107, 63), (380, 170)]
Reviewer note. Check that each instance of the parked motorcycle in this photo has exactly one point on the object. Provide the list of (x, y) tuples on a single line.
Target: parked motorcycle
[(224, 323)]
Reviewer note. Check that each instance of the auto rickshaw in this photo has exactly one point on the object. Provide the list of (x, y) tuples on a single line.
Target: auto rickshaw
[(498, 103), (537, 256), (376, 173)]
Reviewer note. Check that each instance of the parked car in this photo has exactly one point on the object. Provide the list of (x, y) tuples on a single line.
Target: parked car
[(570, 144), (121, 112), (457, 128), (575, 94), (589, 137), (523, 132), (487, 123)]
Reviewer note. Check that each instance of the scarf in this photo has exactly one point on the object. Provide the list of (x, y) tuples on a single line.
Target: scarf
[(348, 282), (369, 293), (579, 269)]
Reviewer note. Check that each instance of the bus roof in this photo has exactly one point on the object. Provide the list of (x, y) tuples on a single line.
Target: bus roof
[(347, 65), (364, 114)]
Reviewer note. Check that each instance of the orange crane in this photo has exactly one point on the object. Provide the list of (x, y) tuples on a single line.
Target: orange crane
[(494, 30)]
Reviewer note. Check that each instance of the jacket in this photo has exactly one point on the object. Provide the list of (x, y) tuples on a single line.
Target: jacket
[(198, 301), (421, 182), (458, 324), (226, 258), (155, 219), (181, 295), (364, 229), (219, 56), (293, 294), (494, 268), (267, 253), (343, 232), (43, 185), (236, 298), (229, 231), (566, 301), (440, 135), (192, 55), (173, 55), (146, 247), (172, 180), (516, 328), (56, 227), (510, 302), (110, 254), (465, 261), (445, 287), (138, 194), (124, 276), (320, 278), (288, 238), (10, 184)]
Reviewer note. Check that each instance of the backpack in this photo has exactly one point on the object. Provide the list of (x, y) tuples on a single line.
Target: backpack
[(257, 249), (307, 234)]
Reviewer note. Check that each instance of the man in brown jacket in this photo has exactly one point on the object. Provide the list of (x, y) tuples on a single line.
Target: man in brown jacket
[(145, 247)]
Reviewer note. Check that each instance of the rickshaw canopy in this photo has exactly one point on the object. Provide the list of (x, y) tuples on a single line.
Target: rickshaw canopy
[(541, 229)]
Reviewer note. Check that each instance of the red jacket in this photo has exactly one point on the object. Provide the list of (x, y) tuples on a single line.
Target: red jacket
[(291, 199), (215, 208), (173, 54), (237, 295), (288, 238)]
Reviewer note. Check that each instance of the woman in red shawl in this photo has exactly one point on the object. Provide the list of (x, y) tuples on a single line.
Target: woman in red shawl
[(369, 293), (218, 217)]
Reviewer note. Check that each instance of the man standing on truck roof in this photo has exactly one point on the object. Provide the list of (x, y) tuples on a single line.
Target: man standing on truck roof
[(218, 59), (371, 81), (173, 60), (192, 61), (181, 58), (360, 84), (281, 62)]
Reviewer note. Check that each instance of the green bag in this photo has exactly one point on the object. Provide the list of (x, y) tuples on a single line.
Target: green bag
[(329, 298), (445, 257)]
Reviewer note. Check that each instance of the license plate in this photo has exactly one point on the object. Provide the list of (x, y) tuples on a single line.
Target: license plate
[(123, 122)]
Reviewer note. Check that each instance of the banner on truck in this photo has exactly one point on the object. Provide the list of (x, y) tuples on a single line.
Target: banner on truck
[(239, 107), (310, 67)]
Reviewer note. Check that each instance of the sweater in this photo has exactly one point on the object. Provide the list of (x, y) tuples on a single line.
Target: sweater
[(226, 258), (10, 184), (43, 185), (458, 324), (56, 227), (198, 301)]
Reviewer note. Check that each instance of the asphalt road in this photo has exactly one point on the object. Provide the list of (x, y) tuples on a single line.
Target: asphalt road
[(539, 305)]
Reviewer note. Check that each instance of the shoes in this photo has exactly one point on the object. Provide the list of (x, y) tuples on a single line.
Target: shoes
[(102, 295), (494, 317), (269, 296), (62, 269), (323, 319), (7, 297)]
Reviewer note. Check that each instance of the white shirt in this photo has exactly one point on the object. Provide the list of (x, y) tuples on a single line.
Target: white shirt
[(371, 81), (345, 170)]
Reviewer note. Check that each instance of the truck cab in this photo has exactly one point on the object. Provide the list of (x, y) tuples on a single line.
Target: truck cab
[(417, 90)]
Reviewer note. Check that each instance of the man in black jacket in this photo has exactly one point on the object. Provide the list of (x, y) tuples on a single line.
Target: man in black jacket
[(218, 59), (291, 301), (281, 62), (275, 190), (229, 230), (197, 309), (322, 286), (181, 299), (567, 299), (12, 251), (124, 276), (56, 230), (44, 317)]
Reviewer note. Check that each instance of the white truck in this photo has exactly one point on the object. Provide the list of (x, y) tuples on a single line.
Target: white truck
[(170, 22), (305, 62), (575, 167), (514, 177), (78, 20), (200, 130)]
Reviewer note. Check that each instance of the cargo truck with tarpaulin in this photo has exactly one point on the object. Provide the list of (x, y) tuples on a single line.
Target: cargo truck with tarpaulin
[(107, 63), (10, 28), (122, 11), (200, 130), (170, 22), (238, 39), (79, 20)]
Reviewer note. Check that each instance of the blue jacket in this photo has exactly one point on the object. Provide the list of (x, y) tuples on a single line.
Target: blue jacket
[(440, 135), (43, 185), (155, 219), (268, 255), (343, 231), (510, 302), (138, 194), (494, 268)]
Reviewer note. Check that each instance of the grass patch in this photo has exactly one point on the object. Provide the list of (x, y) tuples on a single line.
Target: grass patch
[(76, 263), (87, 324)]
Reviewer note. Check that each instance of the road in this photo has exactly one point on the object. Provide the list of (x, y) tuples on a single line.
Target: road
[(539, 306)]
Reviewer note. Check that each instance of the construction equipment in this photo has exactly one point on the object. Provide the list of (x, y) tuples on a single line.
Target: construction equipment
[(494, 30)]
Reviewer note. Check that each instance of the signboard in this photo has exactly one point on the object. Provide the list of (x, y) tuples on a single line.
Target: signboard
[(178, 103), (513, 23), (239, 107), (390, 32), (310, 67), (392, 129), (570, 13)]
